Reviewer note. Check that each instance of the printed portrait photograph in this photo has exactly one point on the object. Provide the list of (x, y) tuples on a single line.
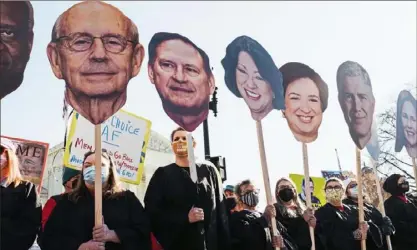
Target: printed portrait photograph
[(16, 40), (183, 78), (95, 49), (356, 100), (306, 98), (250, 73), (406, 124)]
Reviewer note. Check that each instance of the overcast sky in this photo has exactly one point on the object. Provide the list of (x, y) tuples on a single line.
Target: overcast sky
[(379, 35)]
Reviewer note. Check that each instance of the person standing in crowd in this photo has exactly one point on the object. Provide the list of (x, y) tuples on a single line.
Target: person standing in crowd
[(249, 228), (337, 226), (186, 215), (371, 214), (293, 214), (402, 213), (71, 224), (20, 206), (70, 179), (229, 191)]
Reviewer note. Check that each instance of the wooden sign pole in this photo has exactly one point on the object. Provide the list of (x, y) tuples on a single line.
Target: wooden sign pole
[(381, 199), (308, 190), (266, 175), (415, 169), (98, 189), (360, 194)]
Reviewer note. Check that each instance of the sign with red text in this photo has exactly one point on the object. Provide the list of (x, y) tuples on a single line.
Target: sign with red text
[(124, 135), (32, 158)]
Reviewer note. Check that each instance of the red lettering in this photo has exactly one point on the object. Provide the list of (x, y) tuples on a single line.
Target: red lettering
[(126, 158), (80, 142), (117, 155)]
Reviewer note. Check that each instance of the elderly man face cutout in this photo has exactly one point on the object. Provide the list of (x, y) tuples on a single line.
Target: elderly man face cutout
[(357, 101), (96, 50), (184, 86), (16, 40)]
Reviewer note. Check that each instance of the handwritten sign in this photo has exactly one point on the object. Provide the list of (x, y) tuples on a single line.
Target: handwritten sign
[(332, 174), (32, 157), (124, 135)]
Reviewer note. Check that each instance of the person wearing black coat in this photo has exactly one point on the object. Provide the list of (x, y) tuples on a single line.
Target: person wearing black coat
[(402, 213), (372, 214), (71, 223), (21, 210)]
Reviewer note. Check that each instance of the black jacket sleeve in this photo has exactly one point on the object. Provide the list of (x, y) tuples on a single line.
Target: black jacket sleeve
[(166, 223), (23, 229), (403, 217), (137, 234)]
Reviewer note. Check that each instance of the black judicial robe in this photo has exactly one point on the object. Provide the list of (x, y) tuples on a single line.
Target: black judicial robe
[(335, 227), (169, 197)]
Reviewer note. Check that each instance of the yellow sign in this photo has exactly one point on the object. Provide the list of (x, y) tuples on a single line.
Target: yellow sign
[(318, 197)]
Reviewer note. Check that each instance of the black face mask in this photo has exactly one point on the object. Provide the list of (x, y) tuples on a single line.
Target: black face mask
[(404, 187), (286, 194)]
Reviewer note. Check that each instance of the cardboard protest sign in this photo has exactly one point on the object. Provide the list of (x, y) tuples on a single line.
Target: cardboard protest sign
[(356, 100), (16, 24), (32, 158), (124, 135), (251, 74), (95, 49), (182, 75), (332, 174), (316, 188), (406, 124), (306, 98)]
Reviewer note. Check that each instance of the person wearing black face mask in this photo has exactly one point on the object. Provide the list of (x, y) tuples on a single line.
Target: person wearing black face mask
[(293, 215), (249, 229), (402, 213)]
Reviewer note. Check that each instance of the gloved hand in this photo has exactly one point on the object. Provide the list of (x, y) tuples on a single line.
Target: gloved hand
[(387, 227)]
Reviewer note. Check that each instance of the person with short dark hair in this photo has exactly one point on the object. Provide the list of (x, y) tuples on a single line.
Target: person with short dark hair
[(16, 22), (402, 212), (71, 225), (250, 228), (183, 78), (21, 209), (315, 202), (251, 74), (186, 215)]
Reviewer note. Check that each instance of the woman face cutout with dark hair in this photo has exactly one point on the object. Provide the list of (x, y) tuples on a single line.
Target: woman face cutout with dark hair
[(251, 74), (406, 124)]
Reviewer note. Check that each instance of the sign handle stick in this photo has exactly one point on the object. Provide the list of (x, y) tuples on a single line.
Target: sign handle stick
[(360, 193), (415, 169), (266, 174), (381, 199), (97, 183), (308, 191)]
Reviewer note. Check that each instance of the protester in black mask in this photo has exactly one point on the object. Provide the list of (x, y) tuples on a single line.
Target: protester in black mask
[(383, 226), (402, 213), (293, 215), (249, 229)]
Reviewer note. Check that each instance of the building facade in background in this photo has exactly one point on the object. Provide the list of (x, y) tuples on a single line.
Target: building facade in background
[(158, 153)]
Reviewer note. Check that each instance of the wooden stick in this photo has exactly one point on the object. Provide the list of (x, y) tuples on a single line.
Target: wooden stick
[(381, 199), (266, 175), (308, 190), (360, 194), (191, 158), (415, 169), (97, 183)]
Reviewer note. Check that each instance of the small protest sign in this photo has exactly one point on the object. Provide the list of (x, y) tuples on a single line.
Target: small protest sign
[(124, 135)]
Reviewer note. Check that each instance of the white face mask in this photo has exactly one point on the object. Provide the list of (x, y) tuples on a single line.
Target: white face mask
[(90, 174), (354, 192), (3, 161)]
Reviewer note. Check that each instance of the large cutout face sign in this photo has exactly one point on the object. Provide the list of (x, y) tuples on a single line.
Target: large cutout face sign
[(356, 100), (251, 74), (16, 39), (406, 126), (182, 76), (95, 49), (306, 98)]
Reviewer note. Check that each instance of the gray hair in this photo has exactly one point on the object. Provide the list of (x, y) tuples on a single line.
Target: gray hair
[(133, 32), (351, 69)]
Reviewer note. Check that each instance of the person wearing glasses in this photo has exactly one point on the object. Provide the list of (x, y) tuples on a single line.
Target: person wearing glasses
[(402, 212), (372, 215), (249, 228), (20, 205), (95, 49), (182, 76), (337, 225), (16, 40)]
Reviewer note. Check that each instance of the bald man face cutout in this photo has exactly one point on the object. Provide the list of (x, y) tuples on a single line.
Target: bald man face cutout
[(96, 50)]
